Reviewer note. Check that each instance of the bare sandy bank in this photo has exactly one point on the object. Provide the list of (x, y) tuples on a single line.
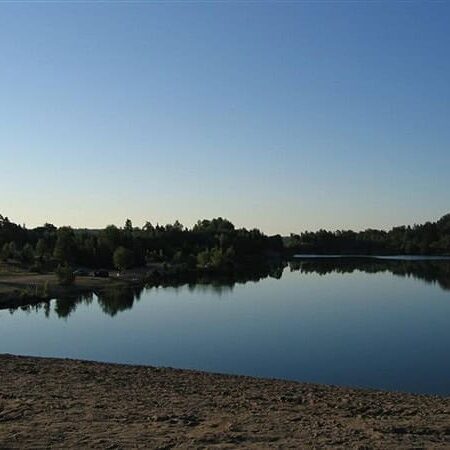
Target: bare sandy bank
[(65, 403), (20, 289)]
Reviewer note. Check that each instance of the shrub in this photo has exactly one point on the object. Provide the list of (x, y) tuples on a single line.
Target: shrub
[(123, 258), (37, 267), (65, 275)]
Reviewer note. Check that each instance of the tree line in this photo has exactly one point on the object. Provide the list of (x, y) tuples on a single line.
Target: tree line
[(209, 244), (430, 238)]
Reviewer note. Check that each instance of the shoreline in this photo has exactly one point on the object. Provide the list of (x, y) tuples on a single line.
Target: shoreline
[(49, 402), (29, 288), (22, 288)]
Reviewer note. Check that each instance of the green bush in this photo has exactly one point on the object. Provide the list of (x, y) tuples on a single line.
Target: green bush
[(65, 275), (37, 267), (123, 258)]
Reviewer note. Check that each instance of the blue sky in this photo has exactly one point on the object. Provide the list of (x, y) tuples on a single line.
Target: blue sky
[(281, 115)]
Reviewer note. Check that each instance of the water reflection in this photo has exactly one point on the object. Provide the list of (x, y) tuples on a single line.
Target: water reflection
[(114, 301), (64, 307), (426, 270), (324, 321)]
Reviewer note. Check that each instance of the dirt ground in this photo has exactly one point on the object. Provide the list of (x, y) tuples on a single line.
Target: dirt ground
[(23, 288), (32, 279), (64, 403)]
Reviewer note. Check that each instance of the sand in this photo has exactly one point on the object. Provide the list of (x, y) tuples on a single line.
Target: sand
[(65, 403), (21, 289)]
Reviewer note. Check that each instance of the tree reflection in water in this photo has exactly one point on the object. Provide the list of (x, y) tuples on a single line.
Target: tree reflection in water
[(428, 271), (113, 301)]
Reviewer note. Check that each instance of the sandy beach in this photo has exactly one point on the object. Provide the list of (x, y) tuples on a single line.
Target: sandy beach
[(65, 403)]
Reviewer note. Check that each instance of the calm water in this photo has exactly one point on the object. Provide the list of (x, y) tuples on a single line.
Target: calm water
[(319, 322)]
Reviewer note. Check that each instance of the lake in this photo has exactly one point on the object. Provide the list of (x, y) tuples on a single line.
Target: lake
[(356, 322)]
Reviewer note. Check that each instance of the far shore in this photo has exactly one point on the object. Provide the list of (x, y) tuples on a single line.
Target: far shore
[(55, 403), (21, 287)]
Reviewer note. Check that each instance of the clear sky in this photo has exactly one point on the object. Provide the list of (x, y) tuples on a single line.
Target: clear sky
[(279, 115)]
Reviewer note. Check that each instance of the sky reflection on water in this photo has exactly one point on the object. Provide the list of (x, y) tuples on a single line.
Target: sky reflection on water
[(346, 324)]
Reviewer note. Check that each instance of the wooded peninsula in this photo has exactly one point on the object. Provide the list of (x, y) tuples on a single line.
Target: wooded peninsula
[(44, 262)]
